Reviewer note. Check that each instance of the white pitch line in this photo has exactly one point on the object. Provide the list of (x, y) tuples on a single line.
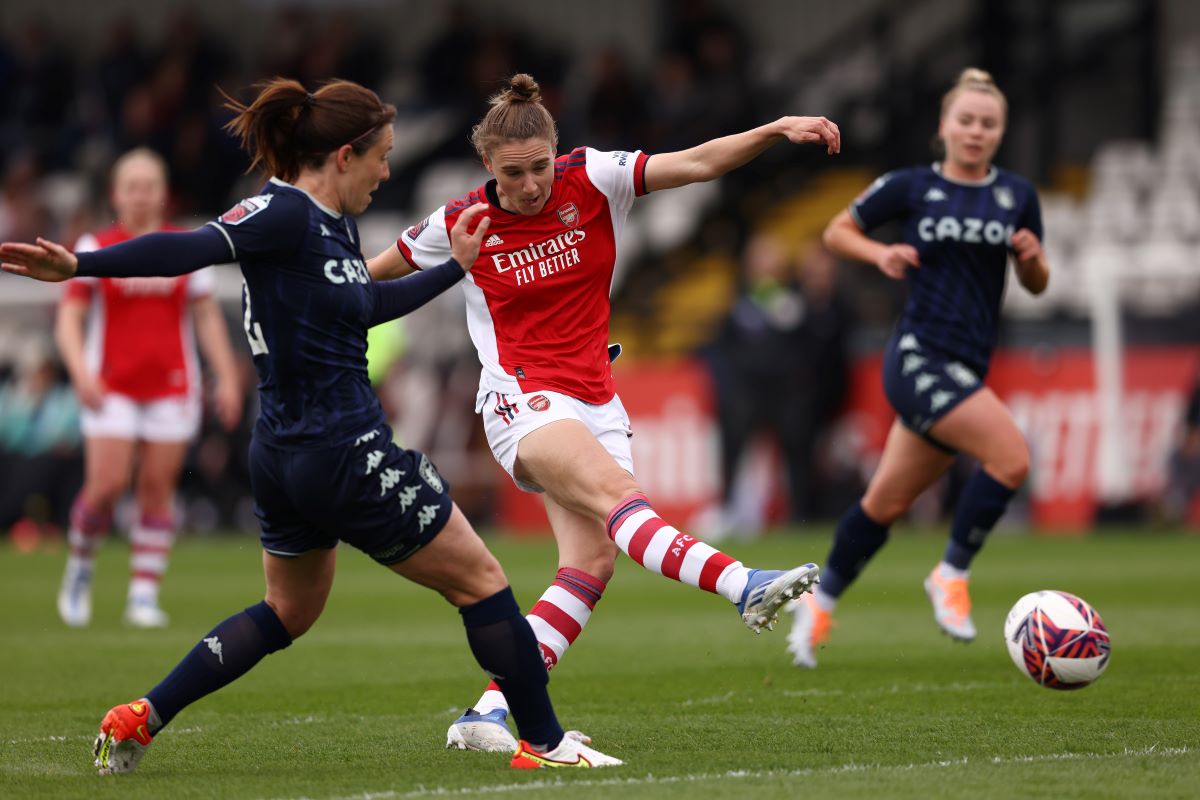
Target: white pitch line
[(900, 689), (1153, 751), (87, 736)]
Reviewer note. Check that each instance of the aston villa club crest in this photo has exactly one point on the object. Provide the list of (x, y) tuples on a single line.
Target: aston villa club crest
[(539, 402), (1004, 197), (568, 215), (430, 475)]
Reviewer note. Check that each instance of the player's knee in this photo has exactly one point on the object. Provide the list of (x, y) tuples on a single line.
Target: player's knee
[(1012, 466), (103, 493), (598, 561), (154, 496), (297, 617), (482, 581), (615, 487), (885, 509)]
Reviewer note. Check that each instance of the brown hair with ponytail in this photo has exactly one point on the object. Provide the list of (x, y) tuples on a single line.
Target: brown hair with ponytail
[(286, 128), (516, 113)]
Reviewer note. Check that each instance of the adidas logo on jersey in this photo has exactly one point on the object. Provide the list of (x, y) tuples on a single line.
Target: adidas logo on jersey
[(493, 241), (934, 195)]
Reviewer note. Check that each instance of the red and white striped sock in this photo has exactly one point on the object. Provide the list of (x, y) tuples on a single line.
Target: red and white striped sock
[(646, 538), (88, 526), (557, 620), (150, 542)]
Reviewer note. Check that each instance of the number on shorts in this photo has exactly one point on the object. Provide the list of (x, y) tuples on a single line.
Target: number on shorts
[(254, 334)]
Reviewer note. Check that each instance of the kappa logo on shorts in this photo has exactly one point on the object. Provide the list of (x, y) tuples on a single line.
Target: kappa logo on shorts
[(539, 402), (430, 475), (568, 215), (246, 209)]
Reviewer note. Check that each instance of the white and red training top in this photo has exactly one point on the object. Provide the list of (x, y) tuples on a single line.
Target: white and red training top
[(139, 337), (537, 296)]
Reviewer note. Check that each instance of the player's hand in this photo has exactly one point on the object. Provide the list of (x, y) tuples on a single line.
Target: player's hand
[(44, 261), (896, 259), (813, 130), (465, 243), (90, 390), (227, 401), (1026, 245)]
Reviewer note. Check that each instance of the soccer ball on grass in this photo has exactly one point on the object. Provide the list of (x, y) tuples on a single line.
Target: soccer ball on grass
[(1057, 639)]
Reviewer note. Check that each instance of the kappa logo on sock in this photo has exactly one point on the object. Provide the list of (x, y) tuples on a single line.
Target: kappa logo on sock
[(214, 644)]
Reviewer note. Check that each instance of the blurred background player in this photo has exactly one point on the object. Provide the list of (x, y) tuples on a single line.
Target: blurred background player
[(962, 218), (129, 346), (538, 312), (325, 467)]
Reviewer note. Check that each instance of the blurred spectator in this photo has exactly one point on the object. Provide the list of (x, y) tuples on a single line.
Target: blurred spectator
[(445, 69), (1183, 478), (43, 93), (779, 364), (40, 457), (23, 216), (121, 67), (678, 109), (616, 106)]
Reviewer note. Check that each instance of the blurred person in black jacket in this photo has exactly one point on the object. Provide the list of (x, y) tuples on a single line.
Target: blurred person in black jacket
[(779, 364), (1183, 477)]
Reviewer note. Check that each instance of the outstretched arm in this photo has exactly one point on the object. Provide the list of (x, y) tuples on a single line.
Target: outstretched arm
[(155, 254), (716, 157)]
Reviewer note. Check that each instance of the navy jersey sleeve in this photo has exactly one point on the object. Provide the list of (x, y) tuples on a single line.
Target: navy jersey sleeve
[(267, 225), (1031, 214), (155, 255), (884, 200)]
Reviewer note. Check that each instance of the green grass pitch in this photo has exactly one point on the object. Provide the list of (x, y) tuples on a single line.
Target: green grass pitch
[(664, 677)]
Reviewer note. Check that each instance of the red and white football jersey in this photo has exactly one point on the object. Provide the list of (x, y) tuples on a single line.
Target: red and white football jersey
[(139, 335), (537, 296)]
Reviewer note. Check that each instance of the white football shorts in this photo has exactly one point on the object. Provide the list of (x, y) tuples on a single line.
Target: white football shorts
[(169, 419), (508, 418)]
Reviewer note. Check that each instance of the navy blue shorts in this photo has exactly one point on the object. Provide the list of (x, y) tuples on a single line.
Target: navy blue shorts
[(386, 501), (924, 385)]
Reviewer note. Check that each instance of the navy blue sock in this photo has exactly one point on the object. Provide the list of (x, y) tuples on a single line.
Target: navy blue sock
[(857, 540), (981, 505), (226, 654), (506, 648)]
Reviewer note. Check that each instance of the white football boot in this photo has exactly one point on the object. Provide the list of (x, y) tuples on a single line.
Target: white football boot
[(487, 732), (75, 595), (572, 751), (767, 590)]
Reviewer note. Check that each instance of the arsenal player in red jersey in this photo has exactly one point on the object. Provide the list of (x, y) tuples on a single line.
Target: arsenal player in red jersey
[(538, 313), (130, 347)]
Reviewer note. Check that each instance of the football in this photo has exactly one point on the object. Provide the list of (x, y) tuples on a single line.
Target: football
[(1057, 639)]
